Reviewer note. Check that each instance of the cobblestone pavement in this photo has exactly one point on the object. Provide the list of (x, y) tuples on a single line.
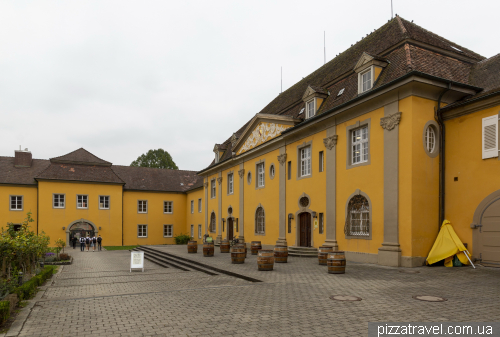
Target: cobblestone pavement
[(98, 296)]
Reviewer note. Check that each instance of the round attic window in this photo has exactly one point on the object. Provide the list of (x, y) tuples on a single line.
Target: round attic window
[(249, 178)]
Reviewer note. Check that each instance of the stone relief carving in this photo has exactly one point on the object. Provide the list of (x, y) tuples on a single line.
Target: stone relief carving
[(219, 180), (216, 148), (241, 173), (234, 139), (282, 158), (391, 121), (205, 184), (261, 134), (330, 142)]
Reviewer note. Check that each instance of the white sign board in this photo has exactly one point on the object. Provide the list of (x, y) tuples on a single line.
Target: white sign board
[(137, 260)]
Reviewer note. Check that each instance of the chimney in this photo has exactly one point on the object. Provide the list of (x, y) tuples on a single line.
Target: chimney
[(22, 158)]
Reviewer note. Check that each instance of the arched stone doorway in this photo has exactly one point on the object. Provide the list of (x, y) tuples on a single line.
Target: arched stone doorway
[(80, 228), (486, 231)]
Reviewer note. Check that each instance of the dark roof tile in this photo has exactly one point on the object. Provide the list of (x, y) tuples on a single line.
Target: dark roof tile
[(80, 156), (20, 175)]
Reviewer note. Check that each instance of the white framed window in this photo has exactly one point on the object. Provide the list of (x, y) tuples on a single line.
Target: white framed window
[(212, 222), (104, 202), (168, 207), (58, 200), (142, 206), (212, 189), (271, 171), (310, 108), (358, 216), (359, 145), (321, 161), (490, 137), (366, 80), (16, 202), (230, 183), (168, 231), (142, 231), (249, 178), (199, 205), (192, 206), (82, 201), (430, 139), (199, 231), (305, 161), (192, 231), (260, 175), (260, 221)]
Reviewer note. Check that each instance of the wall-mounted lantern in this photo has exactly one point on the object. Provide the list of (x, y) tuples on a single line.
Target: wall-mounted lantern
[(236, 224), (223, 222), (290, 218), (314, 215), (99, 228), (64, 228)]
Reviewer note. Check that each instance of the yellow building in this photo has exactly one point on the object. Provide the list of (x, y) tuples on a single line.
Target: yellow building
[(368, 154)]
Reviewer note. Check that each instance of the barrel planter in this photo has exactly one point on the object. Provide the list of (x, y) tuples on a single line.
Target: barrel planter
[(193, 247), (323, 254), (255, 247), (265, 259), (280, 254), (208, 249), (238, 253), (224, 246), (336, 262)]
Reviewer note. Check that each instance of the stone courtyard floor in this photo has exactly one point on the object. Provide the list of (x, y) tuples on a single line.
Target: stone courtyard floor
[(98, 296)]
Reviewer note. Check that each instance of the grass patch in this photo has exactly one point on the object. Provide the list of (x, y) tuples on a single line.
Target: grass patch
[(119, 247)]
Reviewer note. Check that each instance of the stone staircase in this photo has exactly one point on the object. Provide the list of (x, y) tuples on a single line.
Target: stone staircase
[(303, 251)]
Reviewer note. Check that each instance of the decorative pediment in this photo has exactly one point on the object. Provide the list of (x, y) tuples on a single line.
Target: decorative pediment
[(234, 140), (262, 128), (314, 91), (367, 60)]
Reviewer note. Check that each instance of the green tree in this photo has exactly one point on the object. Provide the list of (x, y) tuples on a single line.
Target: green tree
[(156, 159)]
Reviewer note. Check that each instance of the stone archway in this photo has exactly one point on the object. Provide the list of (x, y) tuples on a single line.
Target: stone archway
[(82, 222), (304, 204)]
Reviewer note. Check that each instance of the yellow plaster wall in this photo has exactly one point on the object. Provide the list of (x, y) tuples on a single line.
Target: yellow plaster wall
[(477, 177), (369, 179), (196, 218), (51, 220), (154, 218), (232, 200), (377, 71), (268, 197), (213, 205), (29, 205), (314, 187)]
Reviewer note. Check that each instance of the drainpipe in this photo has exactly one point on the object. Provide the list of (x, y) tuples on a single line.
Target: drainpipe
[(439, 119)]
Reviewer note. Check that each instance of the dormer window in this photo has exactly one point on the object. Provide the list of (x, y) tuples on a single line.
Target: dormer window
[(366, 80), (311, 109), (369, 68)]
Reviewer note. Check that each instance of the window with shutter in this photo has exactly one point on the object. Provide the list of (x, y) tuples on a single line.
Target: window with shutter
[(490, 137)]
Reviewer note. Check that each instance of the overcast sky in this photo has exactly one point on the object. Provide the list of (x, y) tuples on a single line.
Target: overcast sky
[(121, 77)]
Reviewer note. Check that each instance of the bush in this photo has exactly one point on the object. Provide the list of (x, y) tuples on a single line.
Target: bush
[(29, 289), (182, 239), (4, 311), (64, 256)]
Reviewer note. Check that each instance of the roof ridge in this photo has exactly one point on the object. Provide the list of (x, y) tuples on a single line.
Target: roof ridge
[(154, 168), (402, 26), (409, 63), (489, 59)]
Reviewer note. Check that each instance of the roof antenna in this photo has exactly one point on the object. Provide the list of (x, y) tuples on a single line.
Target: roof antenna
[(324, 47), (392, 16), (281, 79)]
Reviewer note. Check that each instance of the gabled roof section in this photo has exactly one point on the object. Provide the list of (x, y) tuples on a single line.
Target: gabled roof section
[(261, 129), (83, 173), (314, 90), (9, 174), (80, 157), (370, 59)]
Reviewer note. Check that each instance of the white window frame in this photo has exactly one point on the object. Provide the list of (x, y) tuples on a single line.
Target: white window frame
[(260, 226), (104, 202), (192, 231), (84, 199), (144, 205), (199, 205), (489, 137), (230, 183), (213, 191), (272, 171), (321, 161), (310, 104), (58, 197), (199, 231), (192, 206), (359, 143), (261, 175), (430, 139), (361, 80), (168, 205), (142, 231), (364, 216), (168, 231), (16, 198), (305, 161)]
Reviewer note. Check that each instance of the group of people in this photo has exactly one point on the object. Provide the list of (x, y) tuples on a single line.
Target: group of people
[(89, 242)]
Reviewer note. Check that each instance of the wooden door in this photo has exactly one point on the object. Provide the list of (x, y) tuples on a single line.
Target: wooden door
[(489, 236), (230, 228), (305, 229)]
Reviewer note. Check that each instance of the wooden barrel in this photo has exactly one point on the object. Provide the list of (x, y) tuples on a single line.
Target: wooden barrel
[(193, 246), (208, 249), (255, 247), (224, 246), (336, 262), (265, 259), (280, 254), (323, 254), (238, 253), (246, 248)]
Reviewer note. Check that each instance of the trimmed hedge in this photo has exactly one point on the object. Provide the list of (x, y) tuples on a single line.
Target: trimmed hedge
[(29, 289), (4, 311)]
